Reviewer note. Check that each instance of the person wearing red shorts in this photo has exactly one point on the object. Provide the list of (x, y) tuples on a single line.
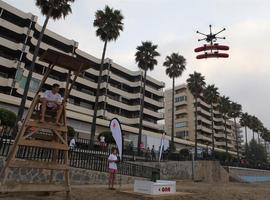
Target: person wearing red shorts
[(112, 168)]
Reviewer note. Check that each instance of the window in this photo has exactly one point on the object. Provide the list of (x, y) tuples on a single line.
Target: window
[(179, 116), (182, 134), (180, 124), (180, 99), (86, 105), (181, 107)]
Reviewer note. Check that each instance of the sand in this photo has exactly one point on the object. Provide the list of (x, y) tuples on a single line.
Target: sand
[(200, 191)]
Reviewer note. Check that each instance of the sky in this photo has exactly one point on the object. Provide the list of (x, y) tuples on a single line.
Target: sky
[(172, 25)]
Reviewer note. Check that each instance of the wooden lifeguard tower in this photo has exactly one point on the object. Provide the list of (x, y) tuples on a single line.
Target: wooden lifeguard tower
[(48, 136)]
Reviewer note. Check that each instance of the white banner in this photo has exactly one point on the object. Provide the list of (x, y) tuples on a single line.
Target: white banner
[(117, 135)]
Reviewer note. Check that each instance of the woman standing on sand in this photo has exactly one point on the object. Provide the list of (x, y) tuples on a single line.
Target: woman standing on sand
[(112, 167)]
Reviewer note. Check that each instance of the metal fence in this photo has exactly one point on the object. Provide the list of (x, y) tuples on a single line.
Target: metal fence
[(78, 158)]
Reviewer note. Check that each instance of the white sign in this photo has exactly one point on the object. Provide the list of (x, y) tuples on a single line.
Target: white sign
[(155, 188), (117, 135)]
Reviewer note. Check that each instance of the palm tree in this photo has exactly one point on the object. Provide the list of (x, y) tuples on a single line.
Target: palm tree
[(109, 24), (235, 111), (175, 65), (145, 57), (259, 129), (211, 95), (196, 84), (253, 124), (244, 121), (265, 133), (224, 108), (54, 9)]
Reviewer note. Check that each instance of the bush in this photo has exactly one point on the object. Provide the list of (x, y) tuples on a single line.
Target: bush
[(184, 154), (223, 156), (71, 132), (7, 117), (108, 137)]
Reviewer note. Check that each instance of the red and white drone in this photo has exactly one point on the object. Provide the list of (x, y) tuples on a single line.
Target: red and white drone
[(211, 49)]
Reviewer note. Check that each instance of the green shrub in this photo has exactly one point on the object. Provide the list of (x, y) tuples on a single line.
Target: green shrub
[(71, 132), (7, 117)]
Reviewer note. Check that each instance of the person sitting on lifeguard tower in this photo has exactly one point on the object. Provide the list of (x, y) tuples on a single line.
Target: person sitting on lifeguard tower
[(52, 100)]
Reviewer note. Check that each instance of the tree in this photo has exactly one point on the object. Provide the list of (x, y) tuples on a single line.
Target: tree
[(253, 125), (145, 57), (256, 153), (234, 112), (265, 134), (7, 119), (54, 9), (259, 128), (175, 65), (244, 121), (71, 132), (224, 108), (109, 24), (196, 84), (211, 95)]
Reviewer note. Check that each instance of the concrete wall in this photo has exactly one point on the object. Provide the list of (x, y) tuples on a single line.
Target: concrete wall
[(208, 171), (77, 176)]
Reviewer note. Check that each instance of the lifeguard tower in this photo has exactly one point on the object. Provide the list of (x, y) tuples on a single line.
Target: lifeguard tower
[(48, 137)]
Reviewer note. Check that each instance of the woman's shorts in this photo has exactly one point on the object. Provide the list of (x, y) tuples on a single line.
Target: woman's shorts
[(113, 171)]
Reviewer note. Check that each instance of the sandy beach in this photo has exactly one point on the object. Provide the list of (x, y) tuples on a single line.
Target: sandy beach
[(205, 191)]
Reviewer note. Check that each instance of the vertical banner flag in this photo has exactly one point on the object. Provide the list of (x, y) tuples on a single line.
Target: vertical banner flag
[(117, 135), (161, 146)]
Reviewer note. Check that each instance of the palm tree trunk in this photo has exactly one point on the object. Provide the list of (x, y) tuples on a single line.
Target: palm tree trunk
[(226, 135), (30, 72), (93, 126), (213, 132), (246, 139), (236, 135), (141, 115), (253, 134), (172, 134), (259, 141), (196, 132)]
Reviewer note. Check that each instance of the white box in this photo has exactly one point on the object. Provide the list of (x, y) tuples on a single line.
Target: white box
[(155, 188)]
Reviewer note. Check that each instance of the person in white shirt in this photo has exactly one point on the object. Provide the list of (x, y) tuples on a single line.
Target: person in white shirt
[(51, 100), (102, 142), (72, 144), (112, 167)]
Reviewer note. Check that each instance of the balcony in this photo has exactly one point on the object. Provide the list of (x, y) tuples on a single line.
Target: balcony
[(220, 143), (180, 111), (205, 129), (204, 111), (205, 138), (5, 81), (203, 119), (220, 135)]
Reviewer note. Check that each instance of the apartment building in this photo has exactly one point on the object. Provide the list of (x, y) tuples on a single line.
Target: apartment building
[(120, 88), (185, 121)]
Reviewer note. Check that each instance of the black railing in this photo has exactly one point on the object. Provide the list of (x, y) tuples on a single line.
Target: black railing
[(78, 158)]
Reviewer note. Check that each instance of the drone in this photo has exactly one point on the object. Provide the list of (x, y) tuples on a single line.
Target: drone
[(211, 49)]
